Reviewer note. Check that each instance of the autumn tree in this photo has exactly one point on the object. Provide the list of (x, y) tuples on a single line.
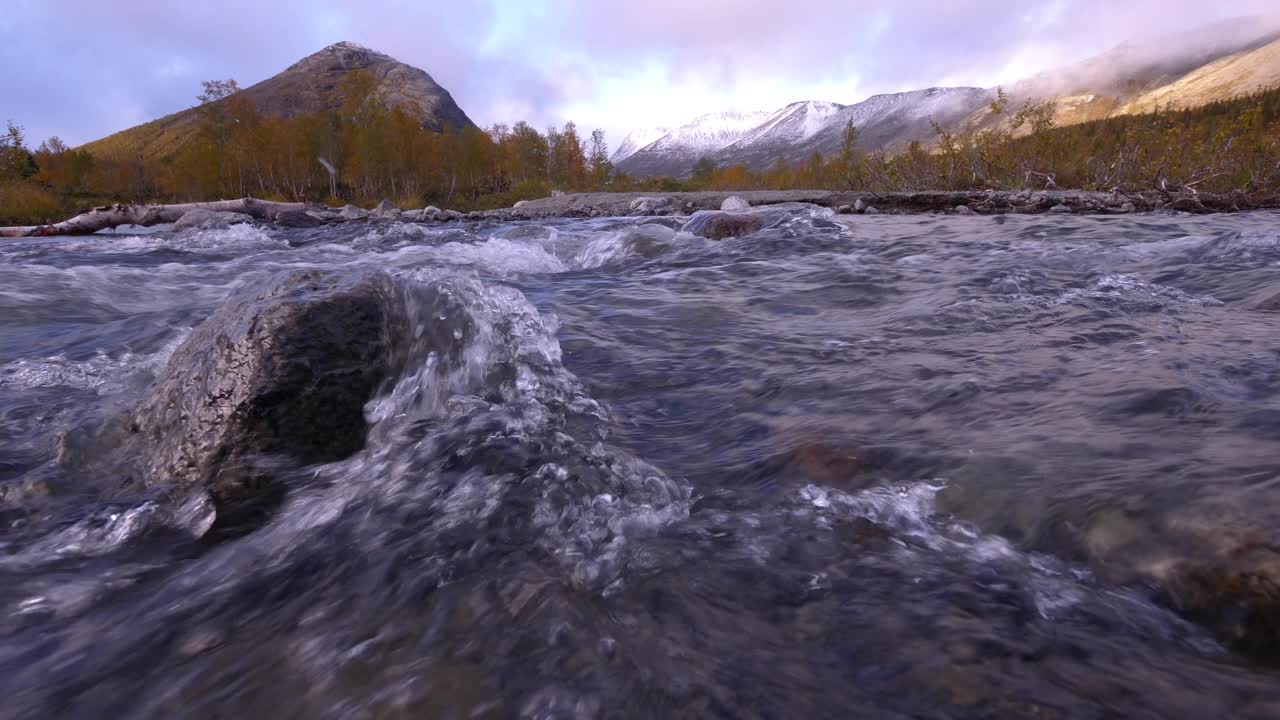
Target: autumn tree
[(16, 162), (568, 161), (851, 164), (63, 169), (601, 168)]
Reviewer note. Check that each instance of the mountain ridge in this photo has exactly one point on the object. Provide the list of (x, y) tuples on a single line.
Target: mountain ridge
[(1215, 62), (311, 84)]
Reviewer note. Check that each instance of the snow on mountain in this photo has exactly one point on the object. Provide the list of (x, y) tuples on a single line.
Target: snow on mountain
[(635, 141), (800, 129), (794, 123), (677, 151), (709, 132)]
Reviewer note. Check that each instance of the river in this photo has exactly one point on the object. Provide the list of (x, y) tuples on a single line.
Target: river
[(844, 466)]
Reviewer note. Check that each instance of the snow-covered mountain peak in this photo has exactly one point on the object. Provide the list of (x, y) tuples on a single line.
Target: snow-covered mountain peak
[(710, 132), (794, 123), (635, 141)]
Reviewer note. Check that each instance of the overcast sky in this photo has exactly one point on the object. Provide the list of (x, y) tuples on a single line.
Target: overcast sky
[(81, 69)]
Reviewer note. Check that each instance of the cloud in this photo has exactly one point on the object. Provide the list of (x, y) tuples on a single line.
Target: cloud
[(88, 68)]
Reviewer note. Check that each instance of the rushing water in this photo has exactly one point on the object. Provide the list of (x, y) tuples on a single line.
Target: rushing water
[(872, 467)]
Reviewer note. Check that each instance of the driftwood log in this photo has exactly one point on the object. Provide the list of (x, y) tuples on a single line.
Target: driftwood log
[(111, 216)]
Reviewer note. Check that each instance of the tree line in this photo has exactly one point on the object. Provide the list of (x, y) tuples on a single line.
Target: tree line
[(363, 152)]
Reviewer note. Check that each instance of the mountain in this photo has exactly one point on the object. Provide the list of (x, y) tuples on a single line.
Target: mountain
[(634, 141), (308, 86), (785, 128), (1215, 62), (800, 129), (678, 150), (884, 122)]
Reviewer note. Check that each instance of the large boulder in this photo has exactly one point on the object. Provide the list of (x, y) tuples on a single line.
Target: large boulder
[(201, 218), (282, 371), (719, 225), (735, 204)]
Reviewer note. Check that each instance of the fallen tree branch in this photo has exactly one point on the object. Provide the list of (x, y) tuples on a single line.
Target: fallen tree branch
[(111, 216)]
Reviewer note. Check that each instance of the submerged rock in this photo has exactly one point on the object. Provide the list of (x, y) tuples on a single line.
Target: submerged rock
[(282, 370), (201, 218), (1216, 562), (719, 225), (735, 204)]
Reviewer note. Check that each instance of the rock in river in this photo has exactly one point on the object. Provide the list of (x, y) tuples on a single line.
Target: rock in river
[(282, 370), (719, 225)]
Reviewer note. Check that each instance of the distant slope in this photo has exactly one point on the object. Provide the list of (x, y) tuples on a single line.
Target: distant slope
[(1125, 79), (310, 85), (1223, 79)]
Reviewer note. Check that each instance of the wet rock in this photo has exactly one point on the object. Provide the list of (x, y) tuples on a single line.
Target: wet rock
[(520, 203), (385, 211), (351, 212), (844, 210), (282, 370), (719, 225), (1128, 208), (1227, 575), (870, 211), (204, 219), (1216, 561), (735, 204), (297, 219), (964, 210), (650, 204), (449, 216), (1060, 210), (859, 205)]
